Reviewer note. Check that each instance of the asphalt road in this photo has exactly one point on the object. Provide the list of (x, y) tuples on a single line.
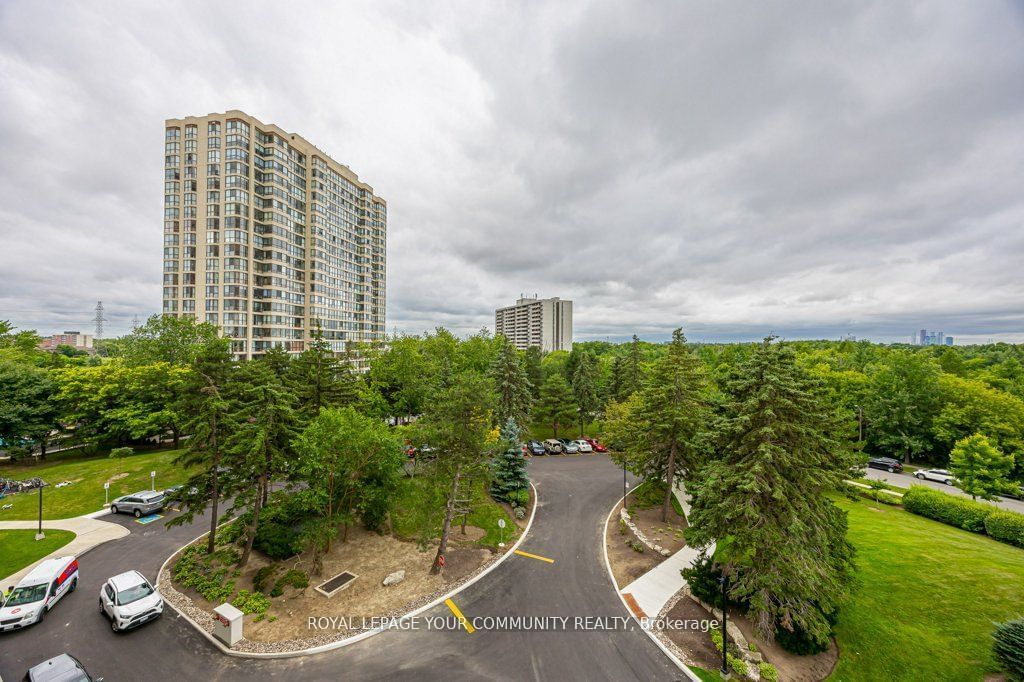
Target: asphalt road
[(907, 480), (575, 496)]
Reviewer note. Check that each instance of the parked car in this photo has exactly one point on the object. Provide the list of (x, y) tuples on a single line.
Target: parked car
[(583, 445), (887, 463), (569, 447), (553, 446), (940, 475), (596, 444), (129, 600), (38, 592), (140, 504), (535, 447), (63, 668)]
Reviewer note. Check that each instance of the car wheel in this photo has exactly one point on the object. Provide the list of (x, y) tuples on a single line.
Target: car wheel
[(919, 476), (891, 470), (100, 602), (113, 509), (137, 513), (74, 584), (948, 482), (113, 625), (42, 616)]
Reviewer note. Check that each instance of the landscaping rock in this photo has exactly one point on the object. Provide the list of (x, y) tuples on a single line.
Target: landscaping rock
[(394, 578)]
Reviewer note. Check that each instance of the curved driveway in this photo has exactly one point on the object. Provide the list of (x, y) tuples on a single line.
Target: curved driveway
[(575, 495)]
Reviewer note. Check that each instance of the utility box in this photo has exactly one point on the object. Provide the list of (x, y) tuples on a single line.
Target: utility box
[(227, 624)]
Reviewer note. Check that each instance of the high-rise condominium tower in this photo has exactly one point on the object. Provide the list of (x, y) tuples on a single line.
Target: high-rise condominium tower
[(542, 322), (268, 237)]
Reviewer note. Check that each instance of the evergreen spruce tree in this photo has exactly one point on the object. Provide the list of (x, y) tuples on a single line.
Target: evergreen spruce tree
[(509, 466), (780, 538), (631, 371), (584, 388), (320, 379), (512, 386), (669, 418), (556, 406)]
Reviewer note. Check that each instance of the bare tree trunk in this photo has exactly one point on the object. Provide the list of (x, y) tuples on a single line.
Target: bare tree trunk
[(671, 476), (214, 492), (176, 436), (251, 530), (446, 529)]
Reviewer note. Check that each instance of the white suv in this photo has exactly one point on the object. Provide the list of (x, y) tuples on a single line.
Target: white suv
[(940, 475), (128, 600)]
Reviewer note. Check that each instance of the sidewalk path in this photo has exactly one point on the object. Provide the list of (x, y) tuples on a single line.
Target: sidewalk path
[(88, 534), (650, 592)]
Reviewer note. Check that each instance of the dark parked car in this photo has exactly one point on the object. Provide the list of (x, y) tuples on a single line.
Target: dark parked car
[(535, 448), (887, 463)]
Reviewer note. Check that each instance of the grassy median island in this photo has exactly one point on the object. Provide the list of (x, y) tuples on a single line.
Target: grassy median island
[(19, 548), (927, 598), (87, 475)]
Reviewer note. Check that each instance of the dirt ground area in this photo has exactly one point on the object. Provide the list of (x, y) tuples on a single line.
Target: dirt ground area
[(792, 668), (697, 645), (370, 556), (627, 564), (667, 534)]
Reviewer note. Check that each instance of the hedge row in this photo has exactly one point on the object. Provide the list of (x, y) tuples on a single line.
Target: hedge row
[(977, 517)]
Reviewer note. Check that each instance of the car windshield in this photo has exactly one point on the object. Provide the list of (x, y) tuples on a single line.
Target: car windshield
[(134, 593), (26, 595)]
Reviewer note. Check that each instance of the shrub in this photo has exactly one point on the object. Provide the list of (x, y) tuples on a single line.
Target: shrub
[(251, 602), (800, 642), (956, 511), (1006, 526), (637, 546), (768, 672), (205, 573), (738, 665), (118, 453), (293, 578), (230, 533), (1008, 647), (261, 580)]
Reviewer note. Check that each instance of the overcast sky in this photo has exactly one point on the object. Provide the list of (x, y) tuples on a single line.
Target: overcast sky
[(812, 169)]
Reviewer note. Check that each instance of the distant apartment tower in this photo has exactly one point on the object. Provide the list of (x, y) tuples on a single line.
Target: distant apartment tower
[(542, 322), (269, 238)]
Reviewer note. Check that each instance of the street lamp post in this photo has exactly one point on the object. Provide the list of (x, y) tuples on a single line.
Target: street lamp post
[(724, 581), (39, 533), (625, 485)]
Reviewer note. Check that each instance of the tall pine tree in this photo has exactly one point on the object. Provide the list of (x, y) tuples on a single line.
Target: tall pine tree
[(779, 536), (320, 379), (669, 418), (512, 387), (556, 406), (584, 389)]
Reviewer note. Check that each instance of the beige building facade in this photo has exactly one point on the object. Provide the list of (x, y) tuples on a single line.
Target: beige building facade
[(542, 322), (269, 238)]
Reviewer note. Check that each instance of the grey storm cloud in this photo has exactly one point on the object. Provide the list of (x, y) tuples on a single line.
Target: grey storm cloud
[(812, 169)]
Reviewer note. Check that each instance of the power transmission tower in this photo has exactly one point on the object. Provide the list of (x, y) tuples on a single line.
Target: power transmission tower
[(99, 319)]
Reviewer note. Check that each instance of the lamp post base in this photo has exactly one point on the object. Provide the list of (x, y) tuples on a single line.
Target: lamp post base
[(40, 536), (725, 674)]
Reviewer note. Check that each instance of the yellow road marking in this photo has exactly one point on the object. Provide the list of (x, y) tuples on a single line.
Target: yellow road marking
[(458, 614), (534, 556)]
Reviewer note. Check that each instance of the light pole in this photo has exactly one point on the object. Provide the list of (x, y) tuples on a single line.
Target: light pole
[(624, 484), (725, 637), (39, 533)]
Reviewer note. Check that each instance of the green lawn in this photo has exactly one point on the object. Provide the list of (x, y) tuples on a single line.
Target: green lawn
[(927, 598), (419, 512), (20, 548), (85, 494)]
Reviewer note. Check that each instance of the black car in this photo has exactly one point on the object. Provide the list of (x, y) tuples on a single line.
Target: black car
[(887, 463), (535, 447)]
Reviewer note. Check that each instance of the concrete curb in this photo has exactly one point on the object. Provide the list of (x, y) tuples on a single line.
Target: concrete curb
[(362, 635), (611, 576)]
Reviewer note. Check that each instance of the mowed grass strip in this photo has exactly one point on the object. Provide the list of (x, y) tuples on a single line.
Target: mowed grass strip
[(927, 598), (20, 548), (85, 494)]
